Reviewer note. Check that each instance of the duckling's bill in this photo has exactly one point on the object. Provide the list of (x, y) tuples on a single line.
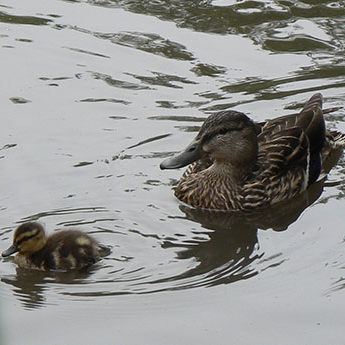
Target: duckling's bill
[(189, 155), (11, 250)]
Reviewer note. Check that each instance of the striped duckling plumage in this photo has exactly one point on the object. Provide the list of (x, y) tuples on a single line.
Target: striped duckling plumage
[(63, 250), (238, 164)]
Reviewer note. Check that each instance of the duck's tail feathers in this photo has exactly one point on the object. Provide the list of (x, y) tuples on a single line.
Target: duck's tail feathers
[(336, 139), (332, 150), (314, 102)]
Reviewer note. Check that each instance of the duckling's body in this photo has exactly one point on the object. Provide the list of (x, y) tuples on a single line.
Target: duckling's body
[(242, 165), (63, 250)]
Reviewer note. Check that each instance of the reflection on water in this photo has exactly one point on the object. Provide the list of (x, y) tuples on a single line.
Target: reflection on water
[(28, 20), (257, 19), (29, 286), (225, 257), (314, 30), (233, 245), (67, 211), (227, 251), (97, 93)]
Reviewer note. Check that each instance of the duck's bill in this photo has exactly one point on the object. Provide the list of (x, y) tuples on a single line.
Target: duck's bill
[(189, 155), (11, 250)]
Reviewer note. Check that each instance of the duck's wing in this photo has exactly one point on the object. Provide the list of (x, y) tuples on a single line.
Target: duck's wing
[(283, 150), (294, 142), (310, 120), (282, 169), (332, 150)]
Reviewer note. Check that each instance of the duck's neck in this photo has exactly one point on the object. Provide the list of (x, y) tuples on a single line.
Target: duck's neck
[(217, 187), (234, 175)]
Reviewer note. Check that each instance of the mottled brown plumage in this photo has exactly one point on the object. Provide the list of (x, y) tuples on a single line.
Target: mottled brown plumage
[(63, 250), (242, 165)]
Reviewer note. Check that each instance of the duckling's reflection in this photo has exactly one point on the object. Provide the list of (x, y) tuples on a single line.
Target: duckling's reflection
[(29, 286), (233, 245)]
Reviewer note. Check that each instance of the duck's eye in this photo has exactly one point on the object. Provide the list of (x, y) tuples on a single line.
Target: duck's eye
[(227, 130), (191, 148), (223, 131)]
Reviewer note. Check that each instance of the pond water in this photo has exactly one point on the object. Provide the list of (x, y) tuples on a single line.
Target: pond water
[(94, 95)]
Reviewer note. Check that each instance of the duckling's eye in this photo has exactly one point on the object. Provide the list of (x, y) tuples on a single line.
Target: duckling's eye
[(32, 237)]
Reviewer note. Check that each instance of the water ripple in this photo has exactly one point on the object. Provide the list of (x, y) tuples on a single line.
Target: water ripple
[(224, 250), (26, 20)]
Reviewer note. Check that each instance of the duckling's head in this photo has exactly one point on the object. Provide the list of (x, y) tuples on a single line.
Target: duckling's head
[(28, 238), (227, 137)]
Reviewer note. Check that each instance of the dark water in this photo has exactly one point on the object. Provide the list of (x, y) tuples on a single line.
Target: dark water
[(94, 94)]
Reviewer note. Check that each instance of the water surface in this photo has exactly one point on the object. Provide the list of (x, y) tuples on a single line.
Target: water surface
[(95, 94)]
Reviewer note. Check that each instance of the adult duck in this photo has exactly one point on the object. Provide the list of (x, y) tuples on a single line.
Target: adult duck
[(237, 164)]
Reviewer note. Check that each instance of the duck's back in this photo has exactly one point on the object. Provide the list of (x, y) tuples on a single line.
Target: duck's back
[(281, 170), (288, 157), (292, 154)]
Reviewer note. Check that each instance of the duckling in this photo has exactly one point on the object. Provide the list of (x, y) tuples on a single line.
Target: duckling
[(237, 164), (63, 250)]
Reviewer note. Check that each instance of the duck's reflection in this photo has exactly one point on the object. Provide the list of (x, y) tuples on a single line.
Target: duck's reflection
[(228, 252), (30, 286), (233, 244)]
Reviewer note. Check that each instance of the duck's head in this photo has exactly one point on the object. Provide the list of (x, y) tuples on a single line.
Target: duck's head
[(225, 137), (28, 238)]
